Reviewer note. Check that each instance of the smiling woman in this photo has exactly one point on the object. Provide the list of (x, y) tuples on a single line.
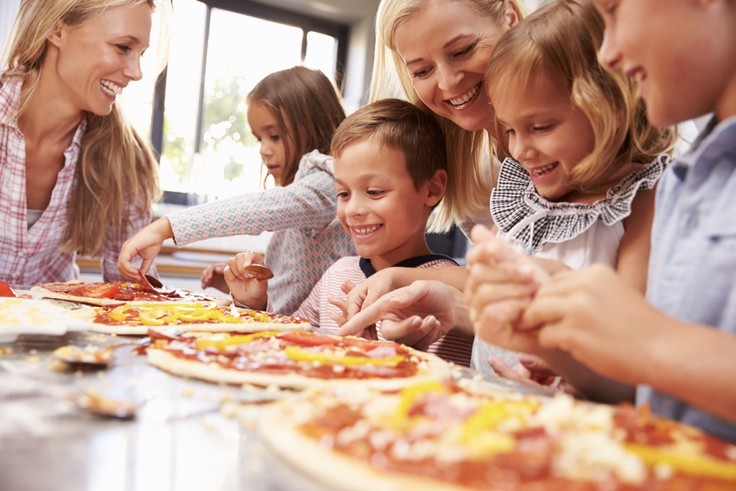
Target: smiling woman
[(78, 177)]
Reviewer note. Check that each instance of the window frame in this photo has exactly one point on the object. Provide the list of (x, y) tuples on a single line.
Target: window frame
[(308, 23)]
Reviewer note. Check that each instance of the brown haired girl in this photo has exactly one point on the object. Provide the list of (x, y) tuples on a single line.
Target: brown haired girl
[(293, 113), (76, 177)]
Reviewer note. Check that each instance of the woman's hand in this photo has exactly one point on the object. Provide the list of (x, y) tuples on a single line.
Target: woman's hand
[(244, 288), (416, 315), (146, 244), (214, 276)]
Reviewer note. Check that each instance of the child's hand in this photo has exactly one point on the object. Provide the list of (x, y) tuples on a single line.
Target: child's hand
[(214, 276), (416, 315), (597, 318), (532, 371), (244, 288), (500, 286), (146, 244)]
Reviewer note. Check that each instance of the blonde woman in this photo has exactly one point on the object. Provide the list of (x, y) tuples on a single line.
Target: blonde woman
[(76, 177), (436, 53)]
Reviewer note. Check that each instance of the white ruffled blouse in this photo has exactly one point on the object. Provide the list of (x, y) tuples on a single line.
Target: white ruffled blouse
[(577, 234)]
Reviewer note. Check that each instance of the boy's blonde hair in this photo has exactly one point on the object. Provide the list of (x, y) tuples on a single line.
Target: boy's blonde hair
[(308, 101), (116, 165), (401, 126), (467, 187), (561, 40)]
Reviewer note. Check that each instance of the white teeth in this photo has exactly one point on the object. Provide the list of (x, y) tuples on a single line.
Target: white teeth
[(111, 88), (465, 98), (364, 231), (543, 170)]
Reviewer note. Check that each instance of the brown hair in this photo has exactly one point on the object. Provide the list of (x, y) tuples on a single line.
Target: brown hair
[(401, 126), (468, 190), (308, 110), (115, 166), (561, 40)]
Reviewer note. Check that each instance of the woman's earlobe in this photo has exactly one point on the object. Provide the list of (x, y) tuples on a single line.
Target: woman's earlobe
[(512, 14)]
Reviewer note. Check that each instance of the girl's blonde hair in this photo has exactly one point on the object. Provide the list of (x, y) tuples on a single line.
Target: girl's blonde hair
[(561, 40), (308, 101), (468, 188), (115, 165)]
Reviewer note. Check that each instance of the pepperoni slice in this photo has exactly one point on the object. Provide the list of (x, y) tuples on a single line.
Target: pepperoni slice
[(307, 338), (6, 291)]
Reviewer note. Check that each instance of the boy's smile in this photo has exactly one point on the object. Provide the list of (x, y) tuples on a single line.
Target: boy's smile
[(379, 206)]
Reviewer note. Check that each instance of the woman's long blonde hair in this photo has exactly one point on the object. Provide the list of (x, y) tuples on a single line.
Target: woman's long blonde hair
[(561, 40), (115, 166), (468, 189)]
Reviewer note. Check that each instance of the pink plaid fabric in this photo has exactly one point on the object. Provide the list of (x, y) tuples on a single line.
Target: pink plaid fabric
[(31, 256)]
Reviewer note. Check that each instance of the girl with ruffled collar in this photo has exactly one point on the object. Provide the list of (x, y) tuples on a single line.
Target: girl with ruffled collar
[(579, 186)]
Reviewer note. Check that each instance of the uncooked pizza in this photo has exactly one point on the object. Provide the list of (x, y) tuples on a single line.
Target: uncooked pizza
[(292, 359), (436, 435), (136, 318), (96, 293)]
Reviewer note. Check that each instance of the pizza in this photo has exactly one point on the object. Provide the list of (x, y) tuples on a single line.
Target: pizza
[(436, 435), (291, 359), (96, 293), (136, 318)]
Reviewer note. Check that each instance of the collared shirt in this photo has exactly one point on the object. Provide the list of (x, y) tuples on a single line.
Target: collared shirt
[(31, 255), (316, 308), (692, 265)]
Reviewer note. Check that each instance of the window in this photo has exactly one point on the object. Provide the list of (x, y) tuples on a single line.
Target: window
[(219, 50)]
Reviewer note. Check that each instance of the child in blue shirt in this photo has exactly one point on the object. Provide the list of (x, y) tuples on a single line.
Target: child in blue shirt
[(679, 348)]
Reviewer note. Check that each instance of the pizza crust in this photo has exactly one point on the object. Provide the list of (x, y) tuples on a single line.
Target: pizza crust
[(334, 469), (213, 372)]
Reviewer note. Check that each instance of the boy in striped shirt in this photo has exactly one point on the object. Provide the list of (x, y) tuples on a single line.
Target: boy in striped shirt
[(390, 172)]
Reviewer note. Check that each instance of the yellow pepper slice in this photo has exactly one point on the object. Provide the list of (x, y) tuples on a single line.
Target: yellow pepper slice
[(693, 465), (151, 318), (408, 396), (490, 414), (116, 316), (298, 354), (222, 344)]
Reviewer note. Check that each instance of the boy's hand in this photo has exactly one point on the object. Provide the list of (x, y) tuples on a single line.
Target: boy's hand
[(214, 276), (146, 244), (367, 292), (416, 315), (500, 286), (244, 288)]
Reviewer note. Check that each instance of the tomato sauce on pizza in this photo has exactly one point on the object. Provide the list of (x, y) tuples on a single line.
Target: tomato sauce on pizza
[(122, 291), (436, 435), (297, 352)]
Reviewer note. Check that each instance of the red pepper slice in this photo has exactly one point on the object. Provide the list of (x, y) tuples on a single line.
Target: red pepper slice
[(305, 338), (6, 291)]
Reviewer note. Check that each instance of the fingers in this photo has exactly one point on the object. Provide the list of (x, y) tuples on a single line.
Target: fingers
[(420, 335), (535, 365), (339, 317), (364, 318), (238, 263), (356, 296), (145, 266), (347, 287), (127, 253), (503, 369)]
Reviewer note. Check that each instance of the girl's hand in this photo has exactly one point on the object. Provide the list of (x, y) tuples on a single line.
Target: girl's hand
[(500, 286), (532, 371), (146, 244), (244, 288), (214, 276), (416, 315)]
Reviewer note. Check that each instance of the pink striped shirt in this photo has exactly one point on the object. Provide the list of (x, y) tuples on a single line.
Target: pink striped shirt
[(30, 256), (355, 269)]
